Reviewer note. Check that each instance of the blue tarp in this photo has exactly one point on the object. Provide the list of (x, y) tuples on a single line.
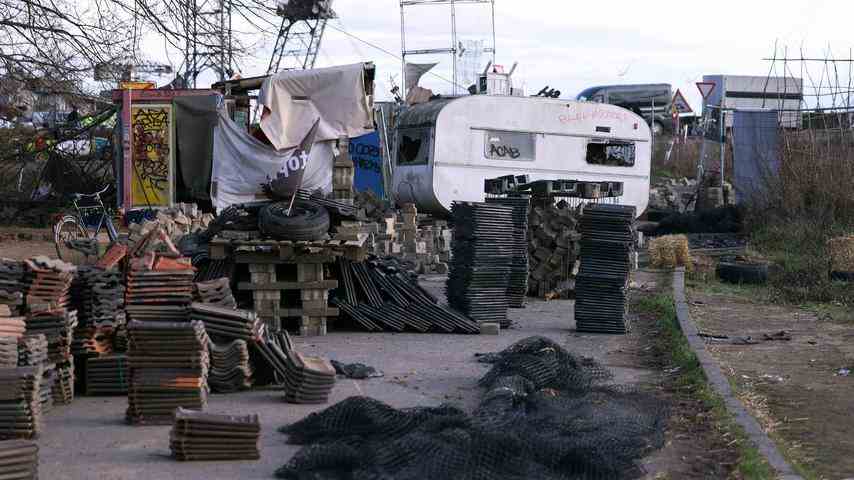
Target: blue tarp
[(756, 148)]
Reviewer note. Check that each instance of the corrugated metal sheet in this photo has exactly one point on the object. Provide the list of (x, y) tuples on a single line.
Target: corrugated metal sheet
[(756, 147)]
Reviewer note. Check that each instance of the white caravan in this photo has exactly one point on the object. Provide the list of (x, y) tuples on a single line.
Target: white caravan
[(445, 149)]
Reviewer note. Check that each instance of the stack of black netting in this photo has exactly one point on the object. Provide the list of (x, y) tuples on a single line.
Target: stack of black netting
[(517, 290), (545, 414), (482, 252), (602, 284)]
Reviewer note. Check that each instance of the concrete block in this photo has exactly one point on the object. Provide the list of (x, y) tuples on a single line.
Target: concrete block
[(490, 328)]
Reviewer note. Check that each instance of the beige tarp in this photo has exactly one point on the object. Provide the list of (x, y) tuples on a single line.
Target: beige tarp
[(294, 99)]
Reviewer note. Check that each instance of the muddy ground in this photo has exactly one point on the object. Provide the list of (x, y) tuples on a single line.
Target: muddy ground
[(89, 439), (793, 387)]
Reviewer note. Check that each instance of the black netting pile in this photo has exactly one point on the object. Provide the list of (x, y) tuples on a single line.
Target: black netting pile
[(546, 414)]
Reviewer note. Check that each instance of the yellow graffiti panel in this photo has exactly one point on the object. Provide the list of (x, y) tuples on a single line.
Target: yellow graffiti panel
[(151, 128)]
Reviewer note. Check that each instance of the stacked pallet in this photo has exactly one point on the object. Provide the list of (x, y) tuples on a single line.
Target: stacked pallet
[(159, 289), (215, 292), (481, 260), (553, 247), (63, 385), (517, 288), (48, 379), (49, 283), (107, 375), (168, 369), (227, 323), (601, 289), (20, 405), (230, 367), (209, 437), (19, 460)]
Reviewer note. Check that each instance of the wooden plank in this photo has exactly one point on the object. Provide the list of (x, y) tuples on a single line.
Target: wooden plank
[(321, 285)]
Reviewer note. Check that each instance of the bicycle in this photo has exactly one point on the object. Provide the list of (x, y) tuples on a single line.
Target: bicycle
[(71, 233)]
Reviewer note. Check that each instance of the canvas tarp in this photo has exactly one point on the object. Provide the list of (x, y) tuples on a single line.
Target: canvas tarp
[(195, 119), (241, 164), (294, 99)]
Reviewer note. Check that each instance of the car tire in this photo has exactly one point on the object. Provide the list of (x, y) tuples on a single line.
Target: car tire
[(743, 272), (308, 221)]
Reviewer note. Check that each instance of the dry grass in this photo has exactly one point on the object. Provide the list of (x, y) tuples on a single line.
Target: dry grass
[(670, 251)]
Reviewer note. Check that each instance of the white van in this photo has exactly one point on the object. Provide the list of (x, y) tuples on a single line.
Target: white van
[(445, 149)]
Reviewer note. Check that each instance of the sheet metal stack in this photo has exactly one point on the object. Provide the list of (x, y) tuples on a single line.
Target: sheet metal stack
[(517, 290), (49, 283), (215, 292), (230, 367), (168, 369), (601, 287), (227, 323), (20, 404), (13, 284), (107, 375), (19, 460), (482, 251), (159, 289), (204, 436)]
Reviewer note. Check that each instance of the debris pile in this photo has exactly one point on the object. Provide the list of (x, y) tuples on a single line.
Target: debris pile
[(20, 402), (227, 323), (19, 460), (107, 375), (159, 288), (215, 292), (545, 414), (230, 368), (678, 195), (602, 285), (176, 222), (553, 248), (210, 437), (381, 295), (168, 369), (481, 261), (517, 289)]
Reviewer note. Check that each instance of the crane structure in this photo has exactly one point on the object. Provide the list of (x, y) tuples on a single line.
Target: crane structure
[(299, 37)]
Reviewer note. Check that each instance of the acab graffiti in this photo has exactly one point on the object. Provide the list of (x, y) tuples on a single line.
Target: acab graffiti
[(503, 151)]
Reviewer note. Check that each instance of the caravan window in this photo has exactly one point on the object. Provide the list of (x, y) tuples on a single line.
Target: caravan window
[(413, 146), (613, 153), (519, 146)]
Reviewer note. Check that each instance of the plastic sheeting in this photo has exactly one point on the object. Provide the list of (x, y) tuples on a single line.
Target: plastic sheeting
[(241, 164), (756, 148), (294, 99)]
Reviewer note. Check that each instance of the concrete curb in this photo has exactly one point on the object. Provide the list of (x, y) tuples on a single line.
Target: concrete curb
[(719, 383)]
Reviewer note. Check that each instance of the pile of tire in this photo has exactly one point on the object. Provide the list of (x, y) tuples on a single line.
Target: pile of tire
[(307, 221)]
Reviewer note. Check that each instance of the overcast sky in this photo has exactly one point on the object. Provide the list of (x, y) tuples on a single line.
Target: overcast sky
[(570, 45)]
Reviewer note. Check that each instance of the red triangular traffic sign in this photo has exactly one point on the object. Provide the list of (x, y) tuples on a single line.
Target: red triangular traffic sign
[(679, 104), (706, 88)]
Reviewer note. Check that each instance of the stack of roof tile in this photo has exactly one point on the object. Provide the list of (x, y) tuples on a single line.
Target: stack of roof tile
[(13, 284), (306, 380), (48, 379), (49, 283), (19, 460), (20, 406), (168, 369), (107, 375), (215, 292), (8, 352), (32, 350), (58, 327), (230, 367), (103, 296), (11, 329), (204, 436), (227, 323), (159, 288)]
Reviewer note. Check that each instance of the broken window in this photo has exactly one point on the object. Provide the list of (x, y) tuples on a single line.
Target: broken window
[(611, 153), (517, 146), (413, 146)]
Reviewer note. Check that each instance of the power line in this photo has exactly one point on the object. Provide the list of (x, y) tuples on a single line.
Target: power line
[(398, 57)]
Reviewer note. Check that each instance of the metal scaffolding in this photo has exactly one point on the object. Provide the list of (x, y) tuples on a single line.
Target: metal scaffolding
[(299, 37)]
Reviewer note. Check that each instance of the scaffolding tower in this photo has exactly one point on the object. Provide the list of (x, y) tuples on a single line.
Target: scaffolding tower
[(299, 37), (455, 47), (207, 26)]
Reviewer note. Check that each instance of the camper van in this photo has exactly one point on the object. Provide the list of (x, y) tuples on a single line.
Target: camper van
[(639, 98), (444, 149)]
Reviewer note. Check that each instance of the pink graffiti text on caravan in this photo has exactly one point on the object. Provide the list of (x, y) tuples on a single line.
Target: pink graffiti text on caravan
[(597, 113)]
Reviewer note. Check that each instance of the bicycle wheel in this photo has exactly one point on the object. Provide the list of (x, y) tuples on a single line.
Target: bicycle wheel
[(68, 229)]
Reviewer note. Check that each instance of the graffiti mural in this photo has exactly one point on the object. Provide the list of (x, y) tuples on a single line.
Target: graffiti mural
[(152, 155)]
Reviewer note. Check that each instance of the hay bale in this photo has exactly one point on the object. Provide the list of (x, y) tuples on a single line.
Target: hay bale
[(670, 251), (841, 252)]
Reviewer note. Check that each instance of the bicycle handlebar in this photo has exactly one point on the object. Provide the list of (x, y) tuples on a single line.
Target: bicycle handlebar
[(92, 195)]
